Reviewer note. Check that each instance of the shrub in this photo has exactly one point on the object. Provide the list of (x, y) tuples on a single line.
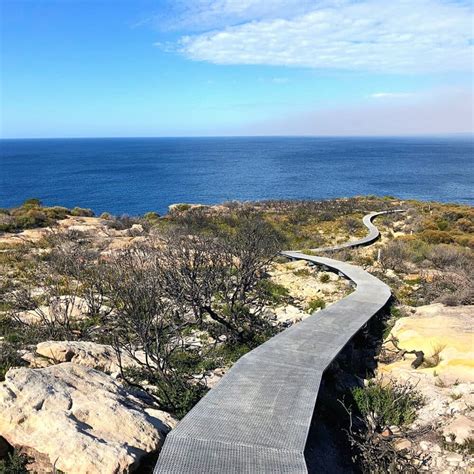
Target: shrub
[(8, 358), (315, 304), (56, 212), (151, 216), (465, 225), (14, 463), (387, 404), (32, 218), (81, 212), (436, 236), (32, 202), (272, 292), (394, 255), (324, 278)]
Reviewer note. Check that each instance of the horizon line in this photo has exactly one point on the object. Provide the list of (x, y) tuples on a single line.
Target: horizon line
[(412, 135)]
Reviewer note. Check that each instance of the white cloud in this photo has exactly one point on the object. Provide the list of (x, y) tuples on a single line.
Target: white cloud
[(399, 36), (201, 15)]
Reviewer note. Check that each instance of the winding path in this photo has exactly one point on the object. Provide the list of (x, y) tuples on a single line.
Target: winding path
[(257, 419)]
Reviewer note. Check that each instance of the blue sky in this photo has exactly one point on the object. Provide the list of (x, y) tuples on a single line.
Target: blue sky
[(108, 68)]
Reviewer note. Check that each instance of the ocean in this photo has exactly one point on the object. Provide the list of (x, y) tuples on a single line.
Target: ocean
[(135, 175)]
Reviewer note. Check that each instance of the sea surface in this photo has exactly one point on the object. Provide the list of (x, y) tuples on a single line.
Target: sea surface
[(135, 175)]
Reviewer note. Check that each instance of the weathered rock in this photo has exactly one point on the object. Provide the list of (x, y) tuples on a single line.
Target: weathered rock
[(443, 329), (89, 354), (402, 444), (79, 419), (73, 308), (459, 430)]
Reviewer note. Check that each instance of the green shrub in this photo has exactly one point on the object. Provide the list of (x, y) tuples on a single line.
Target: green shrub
[(8, 358), (14, 463), (151, 216), (33, 202), (81, 212), (388, 404), (324, 278), (56, 212), (316, 303), (32, 218), (436, 236), (181, 207), (273, 293)]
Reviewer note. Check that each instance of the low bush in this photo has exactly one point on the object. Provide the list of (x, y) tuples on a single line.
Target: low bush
[(324, 278), (9, 358), (387, 403), (274, 293), (315, 304), (436, 236), (81, 212), (14, 463)]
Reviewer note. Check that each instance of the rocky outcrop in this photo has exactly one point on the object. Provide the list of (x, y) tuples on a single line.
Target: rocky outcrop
[(77, 419), (444, 331), (445, 380), (89, 354)]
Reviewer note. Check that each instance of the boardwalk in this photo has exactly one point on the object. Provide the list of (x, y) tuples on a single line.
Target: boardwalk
[(256, 420)]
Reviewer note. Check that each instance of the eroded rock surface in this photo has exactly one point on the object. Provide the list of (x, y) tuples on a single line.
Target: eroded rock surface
[(90, 354), (445, 335), (78, 419)]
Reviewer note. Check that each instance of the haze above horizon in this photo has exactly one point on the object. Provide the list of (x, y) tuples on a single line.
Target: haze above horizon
[(236, 68)]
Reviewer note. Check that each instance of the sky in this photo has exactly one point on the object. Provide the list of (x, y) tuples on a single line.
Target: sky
[(118, 68)]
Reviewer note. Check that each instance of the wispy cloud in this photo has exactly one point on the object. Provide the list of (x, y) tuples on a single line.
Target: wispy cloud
[(441, 111), (391, 95), (399, 36)]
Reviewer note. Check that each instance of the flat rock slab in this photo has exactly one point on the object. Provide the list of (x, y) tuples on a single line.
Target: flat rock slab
[(76, 418)]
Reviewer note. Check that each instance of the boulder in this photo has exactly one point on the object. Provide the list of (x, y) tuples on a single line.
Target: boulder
[(77, 419)]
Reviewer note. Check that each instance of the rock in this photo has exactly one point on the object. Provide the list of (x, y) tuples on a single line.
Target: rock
[(401, 444), (89, 354), (453, 458), (76, 310), (438, 327), (289, 314), (459, 430), (77, 418)]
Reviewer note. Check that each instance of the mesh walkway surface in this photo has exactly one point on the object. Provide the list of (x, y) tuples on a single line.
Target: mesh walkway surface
[(256, 420)]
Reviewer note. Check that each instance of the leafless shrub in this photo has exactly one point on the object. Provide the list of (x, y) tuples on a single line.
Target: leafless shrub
[(394, 255)]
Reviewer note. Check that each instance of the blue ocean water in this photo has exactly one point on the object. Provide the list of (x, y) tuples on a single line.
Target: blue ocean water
[(136, 175)]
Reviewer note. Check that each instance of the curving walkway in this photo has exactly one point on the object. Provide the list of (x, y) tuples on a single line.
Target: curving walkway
[(256, 420), (371, 237)]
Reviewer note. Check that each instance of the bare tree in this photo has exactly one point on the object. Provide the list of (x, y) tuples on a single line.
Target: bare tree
[(217, 278)]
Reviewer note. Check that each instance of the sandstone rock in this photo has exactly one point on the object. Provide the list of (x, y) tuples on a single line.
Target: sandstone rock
[(89, 354), (454, 458), (76, 310), (445, 328), (401, 444), (79, 419), (459, 430), (289, 314)]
